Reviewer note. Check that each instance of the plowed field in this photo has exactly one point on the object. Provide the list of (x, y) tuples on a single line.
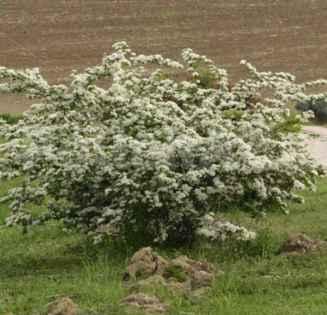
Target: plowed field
[(61, 35)]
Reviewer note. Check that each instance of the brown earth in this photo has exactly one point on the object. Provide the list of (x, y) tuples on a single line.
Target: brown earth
[(62, 35)]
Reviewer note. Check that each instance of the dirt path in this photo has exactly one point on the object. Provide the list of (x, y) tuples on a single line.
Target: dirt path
[(318, 145)]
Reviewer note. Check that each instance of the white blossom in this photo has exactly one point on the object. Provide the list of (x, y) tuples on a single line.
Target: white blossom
[(218, 230), (152, 153)]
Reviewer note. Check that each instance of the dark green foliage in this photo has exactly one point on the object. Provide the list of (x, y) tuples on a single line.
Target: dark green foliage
[(320, 110), (10, 119), (303, 106), (233, 114), (205, 77), (319, 107)]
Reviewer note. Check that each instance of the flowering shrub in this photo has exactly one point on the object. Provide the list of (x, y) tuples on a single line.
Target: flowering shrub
[(214, 229), (152, 153)]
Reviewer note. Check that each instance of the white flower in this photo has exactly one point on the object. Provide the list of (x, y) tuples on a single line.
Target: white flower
[(149, 151), (217, 230)]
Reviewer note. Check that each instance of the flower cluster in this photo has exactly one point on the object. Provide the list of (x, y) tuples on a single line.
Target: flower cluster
[(157, 148), (218, 230)]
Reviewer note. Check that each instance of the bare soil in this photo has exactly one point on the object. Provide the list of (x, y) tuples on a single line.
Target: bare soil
[(62, 35)]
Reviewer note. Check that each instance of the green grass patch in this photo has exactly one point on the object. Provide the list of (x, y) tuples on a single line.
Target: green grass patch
[(46, 263)]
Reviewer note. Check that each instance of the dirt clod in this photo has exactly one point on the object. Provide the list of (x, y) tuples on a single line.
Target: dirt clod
[(201, 274), (181, 275), (300, 244), (146, 303), (145, 263), (62, 306)]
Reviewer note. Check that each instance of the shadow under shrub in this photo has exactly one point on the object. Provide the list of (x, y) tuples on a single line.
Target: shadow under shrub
[(146, 158)]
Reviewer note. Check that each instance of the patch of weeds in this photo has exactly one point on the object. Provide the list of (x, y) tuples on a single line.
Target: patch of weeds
[(292, 124), (175, 272), (265, 245), (11, 119), (233, 114), (206, 77)]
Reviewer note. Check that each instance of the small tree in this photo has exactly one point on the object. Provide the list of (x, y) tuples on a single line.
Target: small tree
[(151, 155)]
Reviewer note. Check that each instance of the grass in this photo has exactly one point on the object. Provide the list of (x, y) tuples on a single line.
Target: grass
[(37, 267)]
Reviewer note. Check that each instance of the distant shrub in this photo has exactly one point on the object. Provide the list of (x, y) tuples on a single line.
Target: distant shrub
[(320, 110), (150, 156), (318, 105)]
